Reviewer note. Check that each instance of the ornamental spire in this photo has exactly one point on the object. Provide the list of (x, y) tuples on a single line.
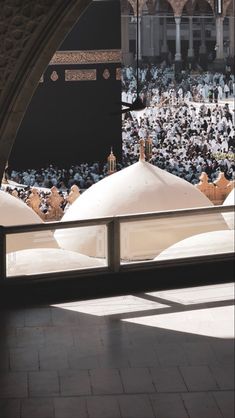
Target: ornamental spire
[(148, 148), (111, 162), (142, 146)]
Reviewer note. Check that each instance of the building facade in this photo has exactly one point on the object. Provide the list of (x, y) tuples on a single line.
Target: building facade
[(181, 31)]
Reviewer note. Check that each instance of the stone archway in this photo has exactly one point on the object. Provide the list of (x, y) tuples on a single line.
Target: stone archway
[(30, 33)]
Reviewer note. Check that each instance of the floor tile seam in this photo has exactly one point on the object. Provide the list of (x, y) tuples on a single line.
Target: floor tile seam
[(217, 404), (126, 395), (30, 399), (166, 393), (152, 378), (185, 406), (121, 379), (215, 378)]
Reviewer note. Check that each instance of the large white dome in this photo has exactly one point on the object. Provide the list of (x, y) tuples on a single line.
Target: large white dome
[(15, 212), (138, 188)]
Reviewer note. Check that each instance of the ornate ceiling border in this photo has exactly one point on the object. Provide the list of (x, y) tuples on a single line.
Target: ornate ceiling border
[(86, 57)]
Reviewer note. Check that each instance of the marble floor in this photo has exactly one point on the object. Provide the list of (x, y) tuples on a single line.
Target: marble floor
[(166, 354)]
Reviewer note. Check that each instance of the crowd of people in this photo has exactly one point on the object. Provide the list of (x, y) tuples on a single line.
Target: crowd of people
[(190, 86), (191, 130)]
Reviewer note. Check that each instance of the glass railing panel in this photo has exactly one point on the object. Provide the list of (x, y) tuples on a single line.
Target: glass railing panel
[(175, 237), (62, 250)]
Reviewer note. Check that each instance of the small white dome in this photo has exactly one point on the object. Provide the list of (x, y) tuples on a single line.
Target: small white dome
[(13, 211), (229, 217), (46, 260), (138, 188), (209, 243)]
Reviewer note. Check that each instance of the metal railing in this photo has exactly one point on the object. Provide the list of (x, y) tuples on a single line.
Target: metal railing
[(113, 225)]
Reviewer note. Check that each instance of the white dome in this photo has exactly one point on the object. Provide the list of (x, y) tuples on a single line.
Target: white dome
[(230, 199), (14, 211), (46, 260), (210, 243), (229, 217), (138, 188)]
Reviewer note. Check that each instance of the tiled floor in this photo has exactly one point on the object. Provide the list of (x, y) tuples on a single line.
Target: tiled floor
[(154, 355)]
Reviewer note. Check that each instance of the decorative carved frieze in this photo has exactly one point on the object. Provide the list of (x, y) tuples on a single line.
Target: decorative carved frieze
[(80, 75), (86, 57), (18, 22)]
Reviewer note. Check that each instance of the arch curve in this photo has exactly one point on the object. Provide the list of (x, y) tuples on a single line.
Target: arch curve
[(30, 33)]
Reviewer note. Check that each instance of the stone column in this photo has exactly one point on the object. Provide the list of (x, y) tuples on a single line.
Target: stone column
[(219, 62), (190, 46), (202, 48), (203, 59), (177, 39), (147, 36), (219, 38), (126, 56), (164, 48), (151, 44), (156, 35), (231, 35), (139, 40)]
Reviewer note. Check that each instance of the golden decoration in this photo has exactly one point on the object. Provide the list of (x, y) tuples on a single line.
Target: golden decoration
[(86, 57), (54, 76), (80, 75)]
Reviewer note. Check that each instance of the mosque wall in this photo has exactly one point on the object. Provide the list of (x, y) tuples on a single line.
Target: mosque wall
[(71, 118)]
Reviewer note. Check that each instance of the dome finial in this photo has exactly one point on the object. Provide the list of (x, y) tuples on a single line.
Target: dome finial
[(111, 162), (142, 146), (148, 148)]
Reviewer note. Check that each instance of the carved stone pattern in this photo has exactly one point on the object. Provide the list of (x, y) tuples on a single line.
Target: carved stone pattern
[(151, 4), (86, 57), (177, 6), (133, 4), (190, 5), (80, 75), (118, 73), (18, 20), (226, 4), (212, 4), (106, 74)]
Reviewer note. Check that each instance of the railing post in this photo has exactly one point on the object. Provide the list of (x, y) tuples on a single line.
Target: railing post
[(114, 245), (2, 253)]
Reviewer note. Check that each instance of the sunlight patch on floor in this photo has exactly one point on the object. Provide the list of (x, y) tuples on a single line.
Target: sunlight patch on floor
[(112, 306), (210, 322)]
